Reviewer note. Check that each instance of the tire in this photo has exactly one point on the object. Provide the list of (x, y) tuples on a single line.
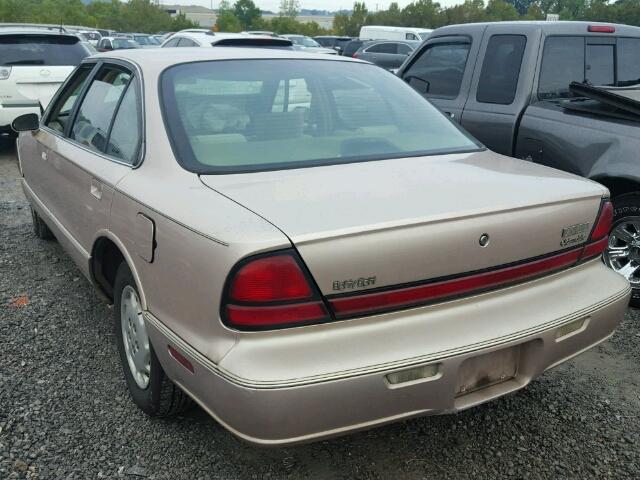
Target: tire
[(626, 213), (40, 228), (158, 396)]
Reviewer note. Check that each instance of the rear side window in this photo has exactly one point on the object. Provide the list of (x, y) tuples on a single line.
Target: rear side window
[(52, 50), (383, 48), (124, 139), (93, 120), (172, 43), (628, 61), (404, 49), (501, 69), (439, 69)]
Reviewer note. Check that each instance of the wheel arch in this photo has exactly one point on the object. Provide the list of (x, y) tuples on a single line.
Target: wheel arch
[(618, 185), (106, 255)]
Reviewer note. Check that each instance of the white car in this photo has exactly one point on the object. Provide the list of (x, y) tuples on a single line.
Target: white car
[(309, 45), (33, 64), (189, 38), (379, 32)]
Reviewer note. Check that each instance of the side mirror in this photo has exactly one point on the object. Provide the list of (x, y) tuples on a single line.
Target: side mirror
[(26, 123)]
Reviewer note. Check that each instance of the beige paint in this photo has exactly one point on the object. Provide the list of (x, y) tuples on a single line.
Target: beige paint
[(407, 219)]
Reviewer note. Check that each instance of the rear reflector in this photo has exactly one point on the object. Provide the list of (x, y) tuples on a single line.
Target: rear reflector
[(421, 294), (602, 29), (595, 249), (261, 316), (181, 359)]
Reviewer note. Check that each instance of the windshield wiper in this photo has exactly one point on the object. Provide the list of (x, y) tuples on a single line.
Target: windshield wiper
[(25, 62)]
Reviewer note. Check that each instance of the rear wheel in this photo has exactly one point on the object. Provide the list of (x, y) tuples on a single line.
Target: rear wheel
[(40, 228), (150, 388), (623, 252)]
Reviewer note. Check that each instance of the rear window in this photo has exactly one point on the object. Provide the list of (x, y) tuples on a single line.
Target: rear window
[(272, 114), (36, 49), (593, 60)]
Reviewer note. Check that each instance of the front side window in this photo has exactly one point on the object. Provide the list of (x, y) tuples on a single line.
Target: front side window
[(404, 49), (229, 116), (411, 36), (63, 106), (500, 69), (439, 69), (93, 120)]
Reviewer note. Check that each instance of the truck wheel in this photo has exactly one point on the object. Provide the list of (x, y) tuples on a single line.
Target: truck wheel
[(40, 228), (150, 388), (623, 253)]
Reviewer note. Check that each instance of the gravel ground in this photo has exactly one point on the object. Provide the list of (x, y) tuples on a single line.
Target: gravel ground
[(65, 413)]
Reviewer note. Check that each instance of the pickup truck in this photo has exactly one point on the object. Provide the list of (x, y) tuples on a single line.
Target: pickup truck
[(562, 94)]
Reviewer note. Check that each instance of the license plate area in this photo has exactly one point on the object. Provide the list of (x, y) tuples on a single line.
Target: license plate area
[(487, 370)]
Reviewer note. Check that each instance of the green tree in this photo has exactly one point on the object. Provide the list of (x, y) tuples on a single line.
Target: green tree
[(345, 24), (289, 8), (499, 10), (247, 13), (422, 13)]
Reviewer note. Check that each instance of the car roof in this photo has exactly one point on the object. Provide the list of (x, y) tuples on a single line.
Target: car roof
[(560, 27), (166, 57), (34, 31), (212, 37)]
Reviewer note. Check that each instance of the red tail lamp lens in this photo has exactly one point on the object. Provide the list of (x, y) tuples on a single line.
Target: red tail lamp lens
[(270, 279), (604, 222), (602, 29), (272, 291)]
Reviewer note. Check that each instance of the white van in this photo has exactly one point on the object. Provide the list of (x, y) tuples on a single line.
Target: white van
[(376, 32)]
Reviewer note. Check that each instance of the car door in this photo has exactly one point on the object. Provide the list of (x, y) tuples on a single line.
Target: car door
[(383, 54), (89, 157), (440, 71)]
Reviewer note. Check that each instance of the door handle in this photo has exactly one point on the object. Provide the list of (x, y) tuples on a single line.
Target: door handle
[(96, 188), (452, 115), (43, 155)]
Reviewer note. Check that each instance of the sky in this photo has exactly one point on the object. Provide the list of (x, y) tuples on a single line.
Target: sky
[(310, 4)]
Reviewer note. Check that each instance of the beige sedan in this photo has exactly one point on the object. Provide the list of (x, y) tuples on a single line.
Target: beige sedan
[(305, 247)]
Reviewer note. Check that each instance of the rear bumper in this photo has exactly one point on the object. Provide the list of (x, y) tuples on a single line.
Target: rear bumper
[(305, 407)]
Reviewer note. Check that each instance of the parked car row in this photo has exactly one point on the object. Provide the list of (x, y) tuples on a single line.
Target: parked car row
[(306, 246)]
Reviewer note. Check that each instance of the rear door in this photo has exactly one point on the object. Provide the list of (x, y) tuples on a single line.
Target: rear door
[(501, 86), (99, 144), (382, 54), (441, 71)]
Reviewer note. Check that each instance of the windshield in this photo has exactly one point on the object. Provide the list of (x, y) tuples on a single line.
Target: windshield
[(305, 41), (143, 40), (271, 114), (21, 49), (124, 43)]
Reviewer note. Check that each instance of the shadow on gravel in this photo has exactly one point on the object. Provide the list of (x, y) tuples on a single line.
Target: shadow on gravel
[(65, 413)]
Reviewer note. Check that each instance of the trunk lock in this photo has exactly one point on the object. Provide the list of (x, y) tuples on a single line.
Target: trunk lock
[(484, 240)]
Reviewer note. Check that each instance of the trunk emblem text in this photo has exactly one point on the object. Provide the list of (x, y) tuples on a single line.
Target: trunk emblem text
[(354, 283), (574, 234)]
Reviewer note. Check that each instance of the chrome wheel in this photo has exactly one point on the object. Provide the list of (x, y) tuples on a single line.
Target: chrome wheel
[(623, 252), (134, 337)]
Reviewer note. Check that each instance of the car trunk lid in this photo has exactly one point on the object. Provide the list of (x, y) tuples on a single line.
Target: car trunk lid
[(38, 82), (362, 226)]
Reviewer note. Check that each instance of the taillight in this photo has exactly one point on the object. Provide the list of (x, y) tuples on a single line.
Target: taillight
[(599, 238), (270, 291), (355, 55), (602, 29)]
